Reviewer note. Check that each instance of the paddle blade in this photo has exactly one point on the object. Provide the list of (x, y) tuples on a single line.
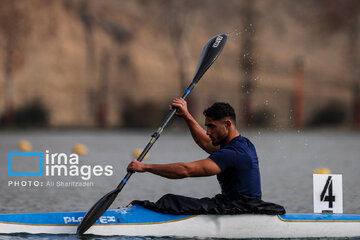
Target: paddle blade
[(209, 54), (97, 211)]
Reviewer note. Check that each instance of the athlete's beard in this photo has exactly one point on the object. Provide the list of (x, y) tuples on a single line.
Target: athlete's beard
[(217, 143)]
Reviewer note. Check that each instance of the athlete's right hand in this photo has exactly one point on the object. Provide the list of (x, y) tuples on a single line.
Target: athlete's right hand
[(181, 105), (136, 166)]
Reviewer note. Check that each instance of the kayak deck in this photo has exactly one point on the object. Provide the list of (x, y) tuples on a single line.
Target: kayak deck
[(317, 217), (126, 221), (116, 216)]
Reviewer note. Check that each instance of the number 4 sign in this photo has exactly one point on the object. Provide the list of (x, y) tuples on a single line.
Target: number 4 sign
[(328, 194)]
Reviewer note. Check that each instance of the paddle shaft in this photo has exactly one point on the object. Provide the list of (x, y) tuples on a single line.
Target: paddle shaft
[(155, 136)]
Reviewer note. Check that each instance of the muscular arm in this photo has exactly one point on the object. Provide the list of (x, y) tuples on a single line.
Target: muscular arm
[(197, 132), (201, 168)]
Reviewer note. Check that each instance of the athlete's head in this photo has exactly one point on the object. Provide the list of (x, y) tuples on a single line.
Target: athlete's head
[(220, 118), (220, 111)]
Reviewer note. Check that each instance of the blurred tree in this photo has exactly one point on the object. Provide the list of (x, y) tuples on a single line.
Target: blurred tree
[(176, 18), (97, 79), (354, 60), (87, 20), (31, 114), (298, 93), (248, 62), (14, 27), (262, 117), (177, 24), (332, 17), (344, 15), (143, 115), (103, 103), (331, 114)]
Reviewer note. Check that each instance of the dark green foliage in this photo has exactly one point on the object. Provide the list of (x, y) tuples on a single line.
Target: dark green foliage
[(262, 118), (333, 113), (32, 114), (143, 115)]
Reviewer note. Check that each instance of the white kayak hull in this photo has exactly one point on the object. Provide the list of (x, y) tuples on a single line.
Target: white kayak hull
[(138, 221)]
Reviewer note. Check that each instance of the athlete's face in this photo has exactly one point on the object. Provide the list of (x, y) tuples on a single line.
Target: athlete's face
[(217, 130)]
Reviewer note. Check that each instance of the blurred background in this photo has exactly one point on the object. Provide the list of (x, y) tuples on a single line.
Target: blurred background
[(99, 64), (102, 74)]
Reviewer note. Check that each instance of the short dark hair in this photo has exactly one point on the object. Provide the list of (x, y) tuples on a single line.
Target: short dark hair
[(219, 111)]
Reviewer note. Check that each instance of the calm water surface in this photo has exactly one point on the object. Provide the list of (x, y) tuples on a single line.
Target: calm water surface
[(287, 160)]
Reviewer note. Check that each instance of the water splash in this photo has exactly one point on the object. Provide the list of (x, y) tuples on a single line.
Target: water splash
[(249, 29), (234, 35)]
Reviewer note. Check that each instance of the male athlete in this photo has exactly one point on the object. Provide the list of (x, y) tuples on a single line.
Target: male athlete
[(232, 158)]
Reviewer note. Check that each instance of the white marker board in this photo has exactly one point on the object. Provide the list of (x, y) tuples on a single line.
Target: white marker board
[(328, 193)]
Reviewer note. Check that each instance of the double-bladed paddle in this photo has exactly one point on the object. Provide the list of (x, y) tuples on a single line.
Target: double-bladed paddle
[(210, 52)]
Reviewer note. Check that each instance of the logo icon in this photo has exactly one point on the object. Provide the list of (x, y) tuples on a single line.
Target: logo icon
[(217, 41), (25, 164)]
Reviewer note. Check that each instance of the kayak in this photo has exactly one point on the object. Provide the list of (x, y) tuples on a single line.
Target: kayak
[(136, 220)]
